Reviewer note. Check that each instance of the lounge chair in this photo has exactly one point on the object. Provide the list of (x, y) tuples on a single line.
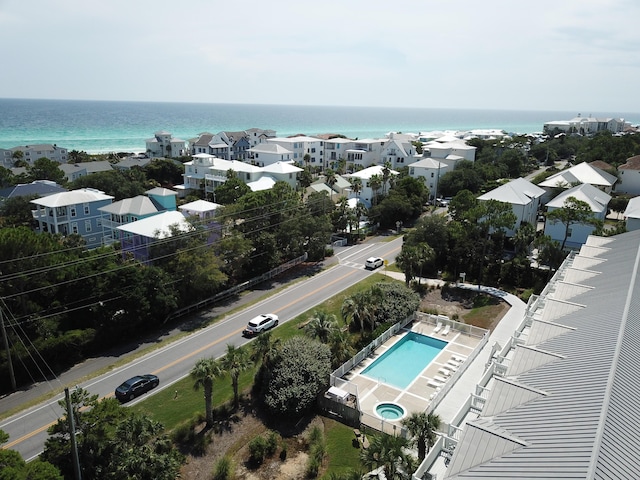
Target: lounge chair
[(453, 363), (438, 327), (439, 379), (446, 330), (458, 358), (444, 371), (433, 383)]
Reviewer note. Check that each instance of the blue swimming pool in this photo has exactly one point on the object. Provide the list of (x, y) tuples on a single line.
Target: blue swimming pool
[(403, 362)]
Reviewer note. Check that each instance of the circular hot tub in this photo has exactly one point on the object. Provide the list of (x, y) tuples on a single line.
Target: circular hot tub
[(390, 411)]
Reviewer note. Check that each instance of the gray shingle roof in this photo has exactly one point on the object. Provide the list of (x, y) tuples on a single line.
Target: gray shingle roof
[(568, 407)]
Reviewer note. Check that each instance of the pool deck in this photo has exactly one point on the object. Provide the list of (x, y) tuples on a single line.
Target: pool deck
[(420, 392)]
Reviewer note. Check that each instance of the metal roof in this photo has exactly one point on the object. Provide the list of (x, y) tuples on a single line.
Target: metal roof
[(568, 405)]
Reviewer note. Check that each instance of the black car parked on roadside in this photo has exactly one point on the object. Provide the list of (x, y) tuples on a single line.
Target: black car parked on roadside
[(136, 386)]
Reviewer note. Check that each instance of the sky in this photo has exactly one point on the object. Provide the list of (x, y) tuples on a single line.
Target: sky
[(568, 55)]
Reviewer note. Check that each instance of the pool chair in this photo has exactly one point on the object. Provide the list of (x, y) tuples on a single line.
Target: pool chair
[(439, 379), (453, 363), (446, 330), (433, 383), (458, 358), (444, 371), (438, 327)]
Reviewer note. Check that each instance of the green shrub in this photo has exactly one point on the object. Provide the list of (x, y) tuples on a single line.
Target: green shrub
[(224, 469), (315, 435), (257, 449), (313, 467), (272, 443)]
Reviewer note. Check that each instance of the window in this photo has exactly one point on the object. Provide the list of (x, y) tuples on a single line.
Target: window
[(72, 211), (87, 226), (74, 227), (431, 174), (569, 232), (86, 209)]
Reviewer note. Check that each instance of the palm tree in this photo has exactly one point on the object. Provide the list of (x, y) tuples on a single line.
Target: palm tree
[(204, 372), (387, 451), (235, 361), (422, 427), (375, 182), (356, 185), (321, 326), (357, 308), (386, 174), (265, 348), (341, 348), (406, 261), (331, 180), (424, 255)]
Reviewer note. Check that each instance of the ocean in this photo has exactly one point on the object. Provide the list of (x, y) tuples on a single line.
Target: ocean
[(102, 127)]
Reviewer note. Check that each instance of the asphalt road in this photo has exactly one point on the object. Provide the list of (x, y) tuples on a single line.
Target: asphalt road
[(28, 429)]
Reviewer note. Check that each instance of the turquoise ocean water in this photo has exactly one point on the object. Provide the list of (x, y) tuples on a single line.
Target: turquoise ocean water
[(98, 126)]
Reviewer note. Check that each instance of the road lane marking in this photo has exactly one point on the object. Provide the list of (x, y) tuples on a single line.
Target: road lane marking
[(175, 362)]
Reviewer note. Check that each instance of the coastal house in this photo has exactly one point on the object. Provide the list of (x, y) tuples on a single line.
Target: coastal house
[(130, 210), (164, 145), (133, 161), (364, 153), (579, 232), (524, 198), (282, 172), (365, 175), (37, 188), (429, 170), (136, 238), (75, 212), (304, 149), (398, 151), (268, 153), (632, 214), (31, 153), (580, 173), (629, 176), (586, 125), (335, 151), (73, 171)]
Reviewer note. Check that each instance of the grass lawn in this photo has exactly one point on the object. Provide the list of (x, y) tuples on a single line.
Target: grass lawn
[(484, 317), (343, 456), (173, 409)]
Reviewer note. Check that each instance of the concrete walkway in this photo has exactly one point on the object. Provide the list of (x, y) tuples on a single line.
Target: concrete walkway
[(459, 393)]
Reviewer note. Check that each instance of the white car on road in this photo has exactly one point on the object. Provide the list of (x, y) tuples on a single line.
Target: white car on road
[(373, 262), (260, 324)]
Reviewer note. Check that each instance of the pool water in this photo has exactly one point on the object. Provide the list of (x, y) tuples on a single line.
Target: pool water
[(403, 362), (390, 411)]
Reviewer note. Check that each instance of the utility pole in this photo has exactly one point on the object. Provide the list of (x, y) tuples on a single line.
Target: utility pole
[(6, 347), (72, 433)]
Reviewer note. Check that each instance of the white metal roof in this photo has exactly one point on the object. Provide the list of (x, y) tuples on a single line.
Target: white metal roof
[(515, 192), (568, 405), (582, 173), (74, 197), (158, 226)]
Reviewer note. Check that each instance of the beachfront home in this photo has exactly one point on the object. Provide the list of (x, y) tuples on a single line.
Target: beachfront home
[(586, 125), (136, 238), (524, 198), (31, 153), (164, 145), (75, 212), (133, 161), (629, 176), (578, 232), (581, 173)]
